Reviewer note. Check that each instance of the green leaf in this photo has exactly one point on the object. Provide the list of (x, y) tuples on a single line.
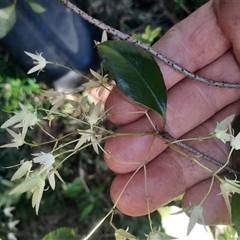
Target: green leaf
[(73, 189), (136, 73), (36, 7), (148, 36), (86, 211), (235, 204), (235, 209), (7, 23), (61, 234)]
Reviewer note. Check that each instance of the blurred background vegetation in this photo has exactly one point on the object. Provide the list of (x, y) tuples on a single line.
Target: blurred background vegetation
[(84, 198)]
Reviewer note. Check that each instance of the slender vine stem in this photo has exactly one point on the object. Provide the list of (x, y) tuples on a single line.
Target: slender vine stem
[(167, 136), (155, 53)]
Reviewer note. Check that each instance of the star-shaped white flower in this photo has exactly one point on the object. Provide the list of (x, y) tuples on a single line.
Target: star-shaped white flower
[(228, 187), (91, 137), (221, 129), (18, 139), (100, 84), (196, 214), (45, 159), (24, 117), (34, 185), (24, 169), (57, 98), (38, 60), (7, 211), (235, 142)]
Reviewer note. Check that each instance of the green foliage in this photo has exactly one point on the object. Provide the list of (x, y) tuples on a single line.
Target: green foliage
[(235, 209), (136, 74), (148, 36), (61, 234), (15, 90), (235, 206)]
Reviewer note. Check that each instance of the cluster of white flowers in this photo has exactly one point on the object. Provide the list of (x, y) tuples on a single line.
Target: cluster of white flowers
[(11, 224), (90, 114), (35, 179)]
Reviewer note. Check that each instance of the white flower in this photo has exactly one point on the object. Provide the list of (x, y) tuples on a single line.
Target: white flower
[(12, 224), (103, 39), (80, 107), (51, 178), (24, 118), (11, 236), (93, 117), (7, 211), (18, 139), (196, 215), (38, 60), (24, 169), (57, 99), (227, 187), (101, 83), (36, 186), (221, 129), (45, 159), (37, 195), (235, 142), (89, 136)]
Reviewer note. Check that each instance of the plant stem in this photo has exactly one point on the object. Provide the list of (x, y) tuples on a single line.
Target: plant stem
[(156, 54), (167, 136)]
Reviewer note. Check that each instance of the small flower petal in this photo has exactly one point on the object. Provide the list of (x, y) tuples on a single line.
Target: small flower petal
[(12, 224), (37, 195), (11, 236), (196, 215), (25, 168), (40, 61), (25, 186), (235, 142), (7, 211)]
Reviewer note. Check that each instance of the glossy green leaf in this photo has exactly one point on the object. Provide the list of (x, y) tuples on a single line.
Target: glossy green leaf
[(7, 23), (235, 204), (61, 234), (136, 73)]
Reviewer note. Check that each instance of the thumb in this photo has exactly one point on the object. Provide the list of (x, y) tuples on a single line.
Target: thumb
[(228, 18)]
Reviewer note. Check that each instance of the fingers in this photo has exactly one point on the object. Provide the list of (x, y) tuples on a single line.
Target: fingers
[(227, 13), (189, 104), (171, 174)]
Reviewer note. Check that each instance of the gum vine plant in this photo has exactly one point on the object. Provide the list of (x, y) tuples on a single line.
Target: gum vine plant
[(127, 63)]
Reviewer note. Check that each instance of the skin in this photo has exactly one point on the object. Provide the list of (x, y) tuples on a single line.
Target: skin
[(207, 42)]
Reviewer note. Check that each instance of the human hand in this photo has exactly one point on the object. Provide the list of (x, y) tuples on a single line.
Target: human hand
[(197, 43)]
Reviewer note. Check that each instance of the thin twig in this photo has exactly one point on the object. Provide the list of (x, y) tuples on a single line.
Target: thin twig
[(156, 54), (167, 136)]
